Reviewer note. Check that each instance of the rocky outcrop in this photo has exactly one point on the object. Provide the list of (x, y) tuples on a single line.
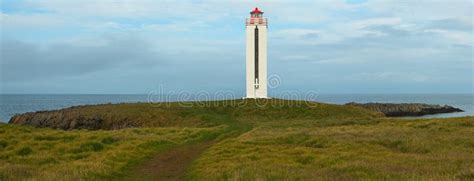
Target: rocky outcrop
[(406, 109), (70, 118)]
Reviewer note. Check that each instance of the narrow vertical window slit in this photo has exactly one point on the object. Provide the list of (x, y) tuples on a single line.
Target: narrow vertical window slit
[(256, 53)]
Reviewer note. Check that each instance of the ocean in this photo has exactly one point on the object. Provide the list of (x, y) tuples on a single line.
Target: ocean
[(11, 104)]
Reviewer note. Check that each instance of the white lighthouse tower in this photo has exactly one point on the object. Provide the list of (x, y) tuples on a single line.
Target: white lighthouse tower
[(256, 30)]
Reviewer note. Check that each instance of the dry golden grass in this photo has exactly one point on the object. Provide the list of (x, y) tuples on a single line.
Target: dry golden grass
[(28, 153), (435, 149)]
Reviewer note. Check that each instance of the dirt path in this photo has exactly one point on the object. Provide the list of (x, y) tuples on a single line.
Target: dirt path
[(172, 164)]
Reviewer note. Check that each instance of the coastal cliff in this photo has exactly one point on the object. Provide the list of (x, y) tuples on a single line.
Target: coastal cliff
[(406, 109)]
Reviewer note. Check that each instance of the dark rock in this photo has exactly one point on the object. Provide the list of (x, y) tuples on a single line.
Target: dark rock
[(69, 119), (406, 109)]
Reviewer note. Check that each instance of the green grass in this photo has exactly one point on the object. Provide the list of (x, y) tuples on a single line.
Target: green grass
[(379, 149), (273, 140), (194, 114), (47, 154)]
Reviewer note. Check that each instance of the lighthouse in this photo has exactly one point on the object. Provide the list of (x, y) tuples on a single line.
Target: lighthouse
[(256, 60)]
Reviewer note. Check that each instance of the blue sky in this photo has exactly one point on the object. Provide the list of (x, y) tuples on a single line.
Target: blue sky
[(134, 46)]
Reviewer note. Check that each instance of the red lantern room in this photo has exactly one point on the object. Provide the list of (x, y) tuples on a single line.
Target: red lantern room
[(256, 13), (256, 18)]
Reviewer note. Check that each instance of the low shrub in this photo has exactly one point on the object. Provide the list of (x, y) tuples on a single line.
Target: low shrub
[(24, 151), (317, 143), (109, 140), (305, 159), (3, 144), (54, 138), (91, 146)]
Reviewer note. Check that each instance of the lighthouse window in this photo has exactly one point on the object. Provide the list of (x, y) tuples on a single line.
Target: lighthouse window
[(256, 53)]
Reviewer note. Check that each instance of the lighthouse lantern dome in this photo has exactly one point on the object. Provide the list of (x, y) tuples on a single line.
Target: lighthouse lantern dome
[(257, 13)]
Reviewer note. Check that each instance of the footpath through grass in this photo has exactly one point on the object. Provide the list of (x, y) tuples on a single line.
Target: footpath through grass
[(44, 154)]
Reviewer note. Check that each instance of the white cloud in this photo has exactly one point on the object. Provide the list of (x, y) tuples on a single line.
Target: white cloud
[(174, 27), (454, 37), (361, 24), (295, 33), (30, 21), (422, 9), (296, 57)]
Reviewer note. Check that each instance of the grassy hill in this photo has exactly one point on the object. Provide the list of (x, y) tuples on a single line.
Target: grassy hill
[(235, 139), (185, 114)]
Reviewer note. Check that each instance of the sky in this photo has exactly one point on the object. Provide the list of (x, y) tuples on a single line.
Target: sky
[(139, 46)]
